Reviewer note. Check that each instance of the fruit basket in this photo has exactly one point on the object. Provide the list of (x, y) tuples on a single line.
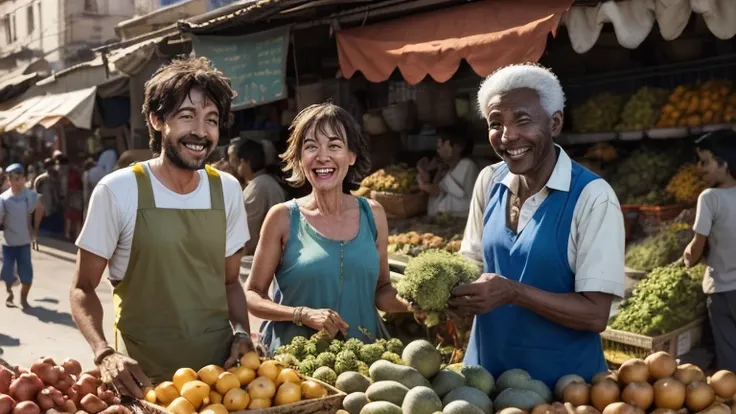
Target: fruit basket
[(329, 404), (401, 205)]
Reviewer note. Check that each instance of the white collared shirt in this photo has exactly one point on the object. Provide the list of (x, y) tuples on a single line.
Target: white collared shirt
[(596, 245)]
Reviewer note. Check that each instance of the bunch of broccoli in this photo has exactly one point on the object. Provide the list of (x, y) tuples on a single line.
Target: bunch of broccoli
[(429, 279)]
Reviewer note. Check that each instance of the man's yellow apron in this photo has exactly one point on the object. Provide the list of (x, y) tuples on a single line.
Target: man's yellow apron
[(171, 307)]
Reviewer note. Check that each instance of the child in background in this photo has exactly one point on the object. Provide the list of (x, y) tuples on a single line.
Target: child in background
[(21, 212)]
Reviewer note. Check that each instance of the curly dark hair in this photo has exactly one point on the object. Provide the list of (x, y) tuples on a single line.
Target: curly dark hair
[(722, 144), (320, 117), (173, 82)]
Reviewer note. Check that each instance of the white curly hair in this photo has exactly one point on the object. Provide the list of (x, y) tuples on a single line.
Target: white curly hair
[(525, 75)]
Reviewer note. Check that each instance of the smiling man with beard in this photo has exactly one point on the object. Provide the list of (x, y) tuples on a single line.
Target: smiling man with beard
[(171, 230), (550, 235)]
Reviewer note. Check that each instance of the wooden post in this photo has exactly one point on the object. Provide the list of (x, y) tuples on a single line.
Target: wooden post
[(62, 139)]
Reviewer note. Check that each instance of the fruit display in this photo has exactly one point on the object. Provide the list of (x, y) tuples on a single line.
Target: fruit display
[(656, 384), (48, 387), (413, 243), (655, 197), (643, 170), (602, 151), (413, 236), (429, 279), (393, 179), (686, 185), (598, 114), (334, 357), (729, 113), (641, 110), (419, 383), (254, 384), (668, 298), (660, 248), (693, 106)]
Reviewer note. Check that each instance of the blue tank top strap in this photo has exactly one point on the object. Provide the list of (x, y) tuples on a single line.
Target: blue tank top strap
[(294, 218), (367, 212)]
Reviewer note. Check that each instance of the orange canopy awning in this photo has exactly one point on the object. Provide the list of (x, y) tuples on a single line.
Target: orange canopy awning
[(488, 34)]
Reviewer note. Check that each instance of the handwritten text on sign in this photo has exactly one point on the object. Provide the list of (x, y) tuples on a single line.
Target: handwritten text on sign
[(255, 64)]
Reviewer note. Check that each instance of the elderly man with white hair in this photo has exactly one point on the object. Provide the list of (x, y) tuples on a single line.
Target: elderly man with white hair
[(550, 235)]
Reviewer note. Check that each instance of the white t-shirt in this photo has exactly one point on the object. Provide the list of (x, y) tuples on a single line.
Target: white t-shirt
[(108, 228), (456, 190), (716, 219), (595, 249)]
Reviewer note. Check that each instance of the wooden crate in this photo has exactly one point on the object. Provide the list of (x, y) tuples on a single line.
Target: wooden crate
[(401, 206), (328, 405), (632, 345), (656, 215)]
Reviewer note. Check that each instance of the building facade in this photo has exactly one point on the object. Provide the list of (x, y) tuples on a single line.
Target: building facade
[(148, 6), (61, 32)]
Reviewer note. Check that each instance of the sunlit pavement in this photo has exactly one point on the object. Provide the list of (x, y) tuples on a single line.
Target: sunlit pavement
[(47, 328)]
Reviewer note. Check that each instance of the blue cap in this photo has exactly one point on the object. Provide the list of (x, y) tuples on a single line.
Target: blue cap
[(15, 169)]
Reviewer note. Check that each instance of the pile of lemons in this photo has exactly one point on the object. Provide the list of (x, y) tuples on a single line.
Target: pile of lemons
[(252, 385)]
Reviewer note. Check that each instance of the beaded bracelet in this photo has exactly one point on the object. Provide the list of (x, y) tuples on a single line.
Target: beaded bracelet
[(298, 316)]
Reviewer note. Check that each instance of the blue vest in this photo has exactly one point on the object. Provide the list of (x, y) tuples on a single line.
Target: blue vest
[(511, 336)]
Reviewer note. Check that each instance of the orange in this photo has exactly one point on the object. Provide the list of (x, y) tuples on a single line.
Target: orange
[(182, 376), (270, 369), (209, 374), (288, 375), (166, 392), (262, 387), (181, 406), (197, 393), (288, 393), (250, 360), (245, 375), (226, 381), (236, 400), (150, 395), (312, 389), (214, 409)]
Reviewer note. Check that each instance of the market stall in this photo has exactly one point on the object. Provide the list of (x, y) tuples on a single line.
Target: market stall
[(385, 377)]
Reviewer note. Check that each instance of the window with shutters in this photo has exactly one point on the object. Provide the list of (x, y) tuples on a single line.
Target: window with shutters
[(90, 6), (30, 21), (13, 28), (8, 29)]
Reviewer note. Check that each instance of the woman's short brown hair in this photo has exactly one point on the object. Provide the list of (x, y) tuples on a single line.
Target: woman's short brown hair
[(319, 118), (173, 82)]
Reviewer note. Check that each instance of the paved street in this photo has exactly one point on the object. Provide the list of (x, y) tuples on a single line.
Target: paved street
[(48, 328)]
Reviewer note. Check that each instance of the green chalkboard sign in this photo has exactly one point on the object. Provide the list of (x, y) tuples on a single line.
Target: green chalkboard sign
[(255, 64)]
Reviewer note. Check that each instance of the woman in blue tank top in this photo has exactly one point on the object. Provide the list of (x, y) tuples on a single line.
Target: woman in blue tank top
[(328, 250)]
